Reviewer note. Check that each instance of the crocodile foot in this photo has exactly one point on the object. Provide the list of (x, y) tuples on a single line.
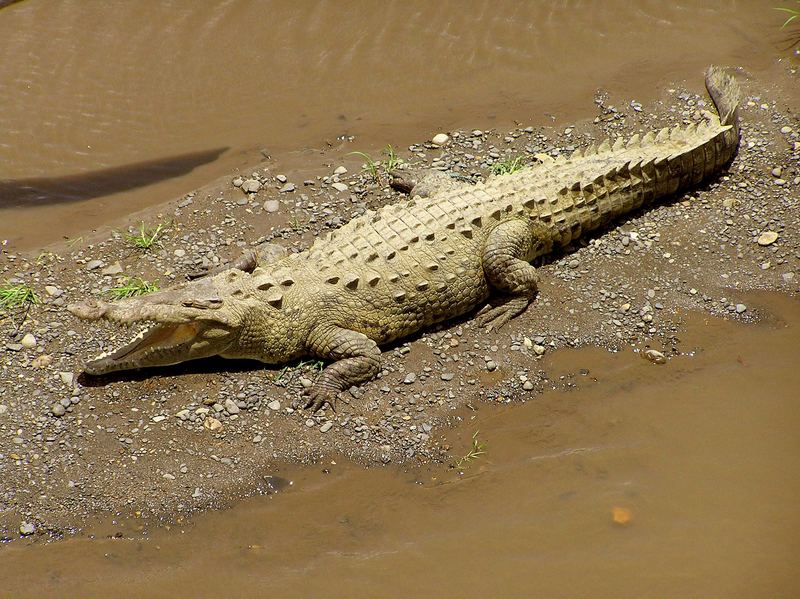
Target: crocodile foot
[(496, 317), (316, 399)]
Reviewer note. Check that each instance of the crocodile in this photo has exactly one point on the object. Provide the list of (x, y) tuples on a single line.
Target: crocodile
[(392, 272)]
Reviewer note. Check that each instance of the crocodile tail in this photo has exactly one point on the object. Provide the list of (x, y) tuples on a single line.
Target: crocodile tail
[(726, 94)]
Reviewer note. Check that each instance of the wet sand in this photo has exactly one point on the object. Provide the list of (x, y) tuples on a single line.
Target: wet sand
[(698, 458)]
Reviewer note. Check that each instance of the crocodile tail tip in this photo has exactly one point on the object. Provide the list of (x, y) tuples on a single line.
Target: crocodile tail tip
[(725, 93)]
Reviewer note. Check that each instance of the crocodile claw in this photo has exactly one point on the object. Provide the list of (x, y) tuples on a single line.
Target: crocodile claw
[(316, 400)]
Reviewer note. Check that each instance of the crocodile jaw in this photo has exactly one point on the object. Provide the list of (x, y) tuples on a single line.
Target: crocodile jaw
[(173, 334)]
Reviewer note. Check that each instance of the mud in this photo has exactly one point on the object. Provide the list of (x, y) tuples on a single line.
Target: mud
[(643, 480)]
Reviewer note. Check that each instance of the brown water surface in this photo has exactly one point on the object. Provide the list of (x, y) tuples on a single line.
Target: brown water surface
[(700, 454), (109, 107)]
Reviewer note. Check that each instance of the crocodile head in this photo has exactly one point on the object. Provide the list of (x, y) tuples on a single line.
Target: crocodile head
[(215, 316)]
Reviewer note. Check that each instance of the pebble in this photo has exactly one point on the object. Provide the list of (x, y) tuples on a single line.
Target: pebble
[(306, 382), (281, 178), (94, 264), (26, 528), (28, 341), (212, 424), (410, 378), (786, 130), (58, 410), (272, 205), (310, 423), (448, 376), (340, 170), (491, 365), (440, 139), (159, 418), (527, 385), (238, 182), (767, 238), (274, 405), (741, 308), (288, 188), (53, 291), (326, 427), (231, 406), (538, 349), (251, 186), (339, 186), (777, 171), (3, 409), (114, 269), (655, 356)]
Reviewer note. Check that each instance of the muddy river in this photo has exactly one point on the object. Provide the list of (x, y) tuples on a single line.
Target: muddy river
[(630, 480), (108, 108)]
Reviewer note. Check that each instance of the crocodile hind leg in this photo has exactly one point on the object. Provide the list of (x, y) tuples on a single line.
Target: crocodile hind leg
[(357, 360), (506, 255)]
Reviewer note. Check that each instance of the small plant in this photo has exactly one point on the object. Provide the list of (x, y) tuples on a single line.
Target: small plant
[(392, 160), (477, 450), (146, 237), (46, 258), (508, 166), (793, 13), (370, 166), (131, 287), (296, 223), (13, 296), (73, 241)]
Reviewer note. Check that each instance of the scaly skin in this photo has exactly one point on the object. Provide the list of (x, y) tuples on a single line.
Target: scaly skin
[(388, 274)]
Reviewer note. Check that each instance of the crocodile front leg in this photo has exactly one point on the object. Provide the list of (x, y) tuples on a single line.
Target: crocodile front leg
[(509, 247), (357, 361)]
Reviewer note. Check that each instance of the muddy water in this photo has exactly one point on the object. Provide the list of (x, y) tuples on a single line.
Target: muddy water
[(106, 108), (699, 457)]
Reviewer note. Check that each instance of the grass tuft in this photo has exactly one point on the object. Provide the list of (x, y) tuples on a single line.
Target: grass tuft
[(508, 166), (392, 159), (132, 287), (477, 450), (374, 167), (792, 12), (370, 166), (13, 296), (146, 237)]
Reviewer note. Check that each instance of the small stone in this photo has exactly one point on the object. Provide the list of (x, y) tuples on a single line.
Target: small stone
[(58, 410), (179, 253), (159, 418), (114, 269), (183, 415), (274, 405), (67, 378), (440, 139), (42, 361), (288, 188), (788, 277), (3, 409), (786, 130), (538, 349), (238, 182), (26, 528), (306, 382), (447, 376), (527, 386), (310, 423), (410, 378), (251, 186), (231, 406), (767, 238), (491, 365), (281, 178), (728, 203), (28, 341), (655, 356), (326, 427), (94, 264), (339, 186), (340, 170), (212, 424), (272, 205), (741, 308), (777, 171), (53, 291), (574, 264)]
